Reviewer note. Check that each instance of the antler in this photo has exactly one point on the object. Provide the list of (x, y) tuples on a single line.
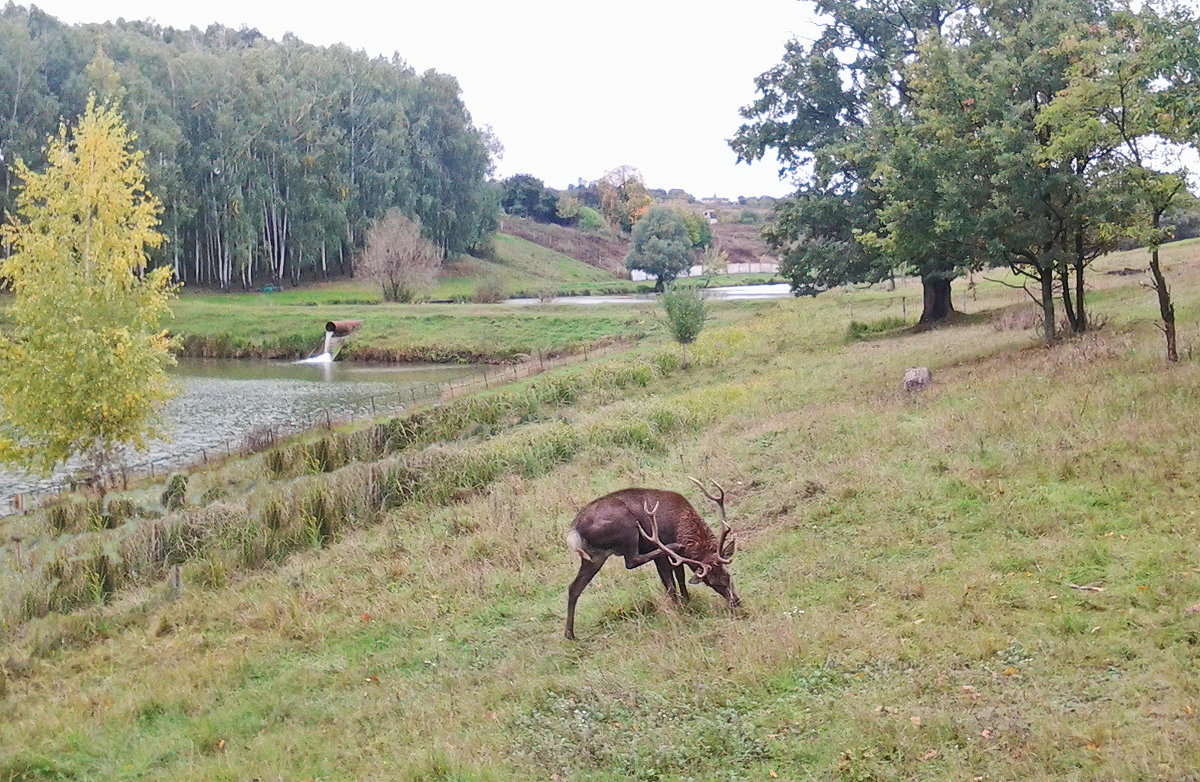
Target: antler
[(677, 559), (725, 528)]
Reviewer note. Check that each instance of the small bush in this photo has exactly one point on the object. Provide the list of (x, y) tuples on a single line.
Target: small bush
[(591, 220), (685, 313), (258, 439), (175, 495), (489, 291), (74, 516), (1018, 319), (860, 330)]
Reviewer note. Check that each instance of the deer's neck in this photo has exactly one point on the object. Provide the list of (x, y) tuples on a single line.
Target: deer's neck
[(695, 537)]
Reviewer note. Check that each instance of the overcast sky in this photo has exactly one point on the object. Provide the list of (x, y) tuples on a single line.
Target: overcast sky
[(570, 89)]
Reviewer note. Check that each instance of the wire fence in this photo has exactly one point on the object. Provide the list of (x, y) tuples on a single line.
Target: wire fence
[(264, 437)]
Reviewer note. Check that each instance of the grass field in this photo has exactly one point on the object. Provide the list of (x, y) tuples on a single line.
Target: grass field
[(248, 325), (910, 568), (290, 323)]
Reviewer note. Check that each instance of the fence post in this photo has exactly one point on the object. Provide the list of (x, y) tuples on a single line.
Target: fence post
[(204, 453), (485, 380), (176, 582), (328, 423), (904, 307), (372, 407)]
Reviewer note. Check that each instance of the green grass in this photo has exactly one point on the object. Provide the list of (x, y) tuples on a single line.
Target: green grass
[(905, 562), (523, 268), (246, 325)]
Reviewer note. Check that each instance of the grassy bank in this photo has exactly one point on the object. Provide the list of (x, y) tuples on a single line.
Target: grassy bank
[(254, 325), (910, 567)]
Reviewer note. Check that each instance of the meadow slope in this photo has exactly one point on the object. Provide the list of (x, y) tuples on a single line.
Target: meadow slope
[(909, 566)]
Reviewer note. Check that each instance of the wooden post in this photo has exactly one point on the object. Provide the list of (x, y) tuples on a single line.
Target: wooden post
[(175, 582), (904, 307), (19, 506), (204, 453), (373, 414), (328, 422), (485, 380)]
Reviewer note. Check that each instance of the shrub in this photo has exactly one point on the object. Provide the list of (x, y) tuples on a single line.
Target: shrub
[(175, 495), (685, 313), (591, 220), (860, 330), (489, 291)]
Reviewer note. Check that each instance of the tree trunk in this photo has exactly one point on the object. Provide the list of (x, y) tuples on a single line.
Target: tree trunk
[(1165, 307), (1048, 324), (659, 284), (1068, 305), (1080, 311), (937, 303)]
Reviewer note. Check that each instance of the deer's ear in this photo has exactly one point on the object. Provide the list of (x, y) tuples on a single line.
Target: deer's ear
[(727, 551), (695, 580)]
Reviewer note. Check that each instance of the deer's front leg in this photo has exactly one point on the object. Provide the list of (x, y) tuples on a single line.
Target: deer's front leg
[(666, 573), (637, 560)]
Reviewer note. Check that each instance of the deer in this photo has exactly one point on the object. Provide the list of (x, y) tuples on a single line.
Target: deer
[(652, 525)]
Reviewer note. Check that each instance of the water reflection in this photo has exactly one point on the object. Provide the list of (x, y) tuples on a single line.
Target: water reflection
[(222, 401)]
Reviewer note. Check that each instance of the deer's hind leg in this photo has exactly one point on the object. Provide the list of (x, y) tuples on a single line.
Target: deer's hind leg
[(588, 568)]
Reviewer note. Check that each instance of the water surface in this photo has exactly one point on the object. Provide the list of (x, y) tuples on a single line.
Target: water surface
[(221, 401)]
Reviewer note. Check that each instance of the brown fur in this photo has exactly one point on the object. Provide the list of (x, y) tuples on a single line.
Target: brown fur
[(696, 536)]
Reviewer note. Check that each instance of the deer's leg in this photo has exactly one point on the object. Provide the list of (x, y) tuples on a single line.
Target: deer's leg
[(637, 560), (681, 578), (587, 571), (666, 572)]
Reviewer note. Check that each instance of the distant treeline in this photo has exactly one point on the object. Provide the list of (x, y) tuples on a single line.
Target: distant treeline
[(271, 158)]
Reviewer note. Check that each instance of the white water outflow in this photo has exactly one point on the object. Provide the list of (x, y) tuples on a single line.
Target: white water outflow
[(336, 333), (326, 354)]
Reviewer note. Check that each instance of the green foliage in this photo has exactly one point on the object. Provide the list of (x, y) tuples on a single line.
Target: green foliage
[(489, 291), (661, 246), (524, 195), (84, 370), (859, 329), (685, 312), (698, 228), (272, 158), (591, 220)]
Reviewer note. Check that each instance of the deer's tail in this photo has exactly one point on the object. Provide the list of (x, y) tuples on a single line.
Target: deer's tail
[(575, 543)]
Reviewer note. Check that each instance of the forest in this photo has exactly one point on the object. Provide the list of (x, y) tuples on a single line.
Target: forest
[(271, 158)]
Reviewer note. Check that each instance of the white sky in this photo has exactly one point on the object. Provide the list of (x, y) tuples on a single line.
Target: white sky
[(571, 89)]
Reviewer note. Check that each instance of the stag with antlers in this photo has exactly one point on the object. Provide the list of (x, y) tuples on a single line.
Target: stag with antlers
[(652, 525)]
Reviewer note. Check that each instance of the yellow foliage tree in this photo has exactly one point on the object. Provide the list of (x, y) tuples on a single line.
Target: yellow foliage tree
[(83, 371)]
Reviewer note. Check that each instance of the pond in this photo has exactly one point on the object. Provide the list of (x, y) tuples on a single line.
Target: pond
[(221, 401), (779, 290)]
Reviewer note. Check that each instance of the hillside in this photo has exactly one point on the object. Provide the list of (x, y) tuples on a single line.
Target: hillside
[(742, 242), (993, 579)]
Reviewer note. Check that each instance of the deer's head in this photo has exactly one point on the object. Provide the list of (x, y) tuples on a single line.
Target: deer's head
[(709, 563)]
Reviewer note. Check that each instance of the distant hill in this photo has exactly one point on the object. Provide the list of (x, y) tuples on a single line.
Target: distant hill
[(742, 241)]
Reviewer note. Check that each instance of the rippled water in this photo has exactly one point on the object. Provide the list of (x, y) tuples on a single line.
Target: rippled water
[(221, 401)]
